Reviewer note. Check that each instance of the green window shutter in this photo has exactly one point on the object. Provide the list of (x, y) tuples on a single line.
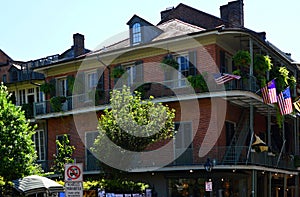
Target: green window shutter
[(53, 91), (100, 74), (80, 83), (223, 68)]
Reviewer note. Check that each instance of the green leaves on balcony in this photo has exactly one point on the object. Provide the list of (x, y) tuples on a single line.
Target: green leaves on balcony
[(169, 60), (48, 88), (242, 59), (198, 82), (117, 72), (57, 103)]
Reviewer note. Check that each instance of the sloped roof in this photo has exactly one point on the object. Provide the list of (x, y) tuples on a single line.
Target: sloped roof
[(171, 29), (175, 27)]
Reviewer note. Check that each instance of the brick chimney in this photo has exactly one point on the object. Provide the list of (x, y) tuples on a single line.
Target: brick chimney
[(166, 12), (78, 41), (233, 13)]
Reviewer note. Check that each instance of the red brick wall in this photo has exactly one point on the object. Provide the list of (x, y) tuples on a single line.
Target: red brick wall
[(207, 61)]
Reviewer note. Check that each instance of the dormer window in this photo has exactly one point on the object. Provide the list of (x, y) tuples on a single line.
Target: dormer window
[(141, 31), (136, 33)]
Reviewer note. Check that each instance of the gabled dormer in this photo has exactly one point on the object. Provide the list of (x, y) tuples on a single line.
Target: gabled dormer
[(141, 31)]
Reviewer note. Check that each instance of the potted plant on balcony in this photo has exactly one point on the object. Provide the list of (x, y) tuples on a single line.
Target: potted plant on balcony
[(169, 60), (117, 72), (57, 102), (242, 60), (262, 64), (47, 88), (198, 82)]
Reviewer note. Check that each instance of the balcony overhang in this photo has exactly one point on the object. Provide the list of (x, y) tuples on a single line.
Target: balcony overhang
[(218, 167), (237, 97)]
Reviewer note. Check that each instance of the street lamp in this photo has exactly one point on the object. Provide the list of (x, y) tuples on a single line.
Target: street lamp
[(209, 165)]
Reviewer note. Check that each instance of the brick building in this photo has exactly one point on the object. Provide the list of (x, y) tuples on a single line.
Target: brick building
[(216, 123)]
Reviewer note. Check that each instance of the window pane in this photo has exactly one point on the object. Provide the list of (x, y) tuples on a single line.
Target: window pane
[(92, 80), (136, 33)]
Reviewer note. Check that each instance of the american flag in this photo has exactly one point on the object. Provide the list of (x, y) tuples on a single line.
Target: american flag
[(221, 78), (269, 92), (285, 102)]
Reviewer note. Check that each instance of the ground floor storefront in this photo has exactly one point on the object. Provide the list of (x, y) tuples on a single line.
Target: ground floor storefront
[(223, 182)]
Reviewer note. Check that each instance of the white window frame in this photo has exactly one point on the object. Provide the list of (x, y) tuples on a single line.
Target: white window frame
[(131, 71), (181, 77), (136, 33), (183, 148), (91, 79), (61, 84), (87, 144), (41, 145)]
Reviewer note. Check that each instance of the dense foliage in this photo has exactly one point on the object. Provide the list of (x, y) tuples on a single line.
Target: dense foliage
[(130, 113), (116, 186), (63, 156), (132, 124), (17, 149)]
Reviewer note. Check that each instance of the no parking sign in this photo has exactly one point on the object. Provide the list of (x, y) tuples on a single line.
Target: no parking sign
[(73, 172)]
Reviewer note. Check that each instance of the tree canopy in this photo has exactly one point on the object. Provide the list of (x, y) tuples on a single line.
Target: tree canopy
[(17, 149), (132, 123)]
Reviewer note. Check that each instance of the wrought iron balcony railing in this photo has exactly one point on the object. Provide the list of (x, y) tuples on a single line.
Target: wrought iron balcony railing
[(157, 90)]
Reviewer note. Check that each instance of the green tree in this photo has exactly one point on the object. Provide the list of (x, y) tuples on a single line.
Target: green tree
[(64, 154), (17, 149), (132, 123)]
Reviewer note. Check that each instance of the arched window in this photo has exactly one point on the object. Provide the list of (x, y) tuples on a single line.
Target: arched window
[(136, 33)]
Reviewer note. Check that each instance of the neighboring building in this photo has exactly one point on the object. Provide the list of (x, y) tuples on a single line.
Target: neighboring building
[(24, 85), (219, 124)]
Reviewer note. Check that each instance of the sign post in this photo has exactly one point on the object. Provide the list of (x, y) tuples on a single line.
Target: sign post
[(73, 180)]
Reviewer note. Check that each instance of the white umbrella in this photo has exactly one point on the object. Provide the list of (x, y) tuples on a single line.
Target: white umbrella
[(37, 184)]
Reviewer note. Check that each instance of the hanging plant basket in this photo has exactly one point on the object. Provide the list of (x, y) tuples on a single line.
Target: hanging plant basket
[(198, 82), (117, 72), (57, 102), (169, 60), (262, 63), (47, 88), (242, 58)]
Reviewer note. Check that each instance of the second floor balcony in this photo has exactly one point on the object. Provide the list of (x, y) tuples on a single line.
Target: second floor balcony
[(166, 89)]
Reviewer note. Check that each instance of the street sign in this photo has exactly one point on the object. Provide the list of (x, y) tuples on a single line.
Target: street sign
[(73, 189), (73, 172)]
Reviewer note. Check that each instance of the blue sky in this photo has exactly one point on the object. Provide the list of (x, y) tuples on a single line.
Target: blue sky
[(34, 29)]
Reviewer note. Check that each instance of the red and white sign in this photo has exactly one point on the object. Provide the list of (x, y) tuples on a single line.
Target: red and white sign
[(73, 172)]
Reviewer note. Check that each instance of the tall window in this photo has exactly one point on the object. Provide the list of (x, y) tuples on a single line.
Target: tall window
[(92, 80), (135, 73), (183, 145), (39, 141), (186, 67), (91, 160), (22, 95), (62, 87), (136, 33), (183, 69)]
